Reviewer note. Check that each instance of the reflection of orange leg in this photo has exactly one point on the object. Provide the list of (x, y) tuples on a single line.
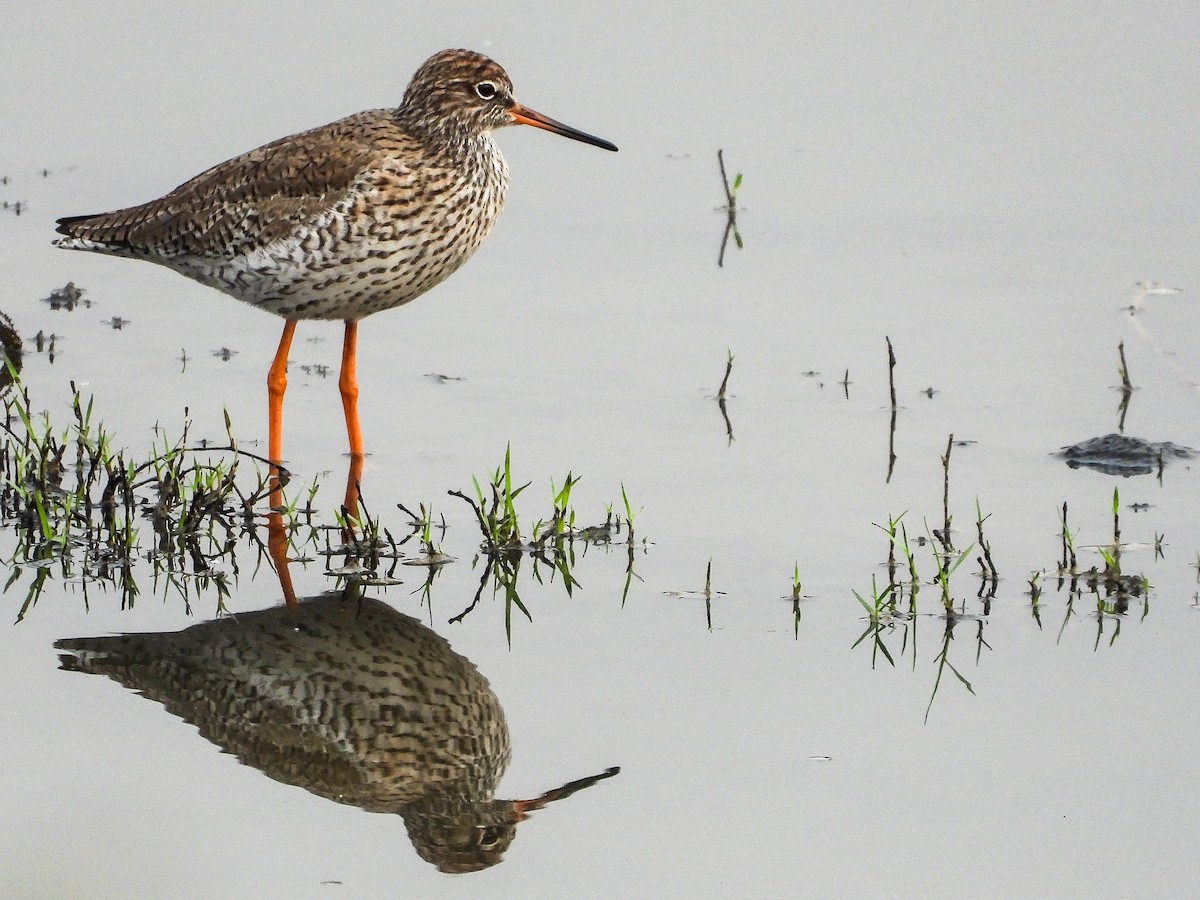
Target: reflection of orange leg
[(353, 477), (348, 384), (277, 546)]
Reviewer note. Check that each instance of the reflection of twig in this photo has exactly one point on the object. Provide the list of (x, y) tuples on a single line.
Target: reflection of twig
[(730, 208), (1126, 388), (728, 424), (721, 397), (483, 580), (708, 592)]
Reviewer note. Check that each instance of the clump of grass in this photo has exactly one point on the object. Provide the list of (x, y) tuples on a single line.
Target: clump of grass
[(880, 603), (550, 542), (879, 608), (946, 564), (366, 545), (422, 527), (77, 505), (897, 535)]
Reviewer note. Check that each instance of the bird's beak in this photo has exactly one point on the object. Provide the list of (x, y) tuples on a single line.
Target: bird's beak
[(523, 115)]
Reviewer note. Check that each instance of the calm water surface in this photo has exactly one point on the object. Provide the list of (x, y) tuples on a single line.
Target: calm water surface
[(985, 187)]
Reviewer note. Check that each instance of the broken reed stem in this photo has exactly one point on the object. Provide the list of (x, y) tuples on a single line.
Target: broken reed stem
[(1126, 383), (1116, 520), (1068, 549), (891, 560), (946, 542), (729, 198), (725, 380), (986, 563), (891, 370)]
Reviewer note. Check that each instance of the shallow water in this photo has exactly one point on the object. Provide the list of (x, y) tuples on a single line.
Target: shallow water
[(984, 187)]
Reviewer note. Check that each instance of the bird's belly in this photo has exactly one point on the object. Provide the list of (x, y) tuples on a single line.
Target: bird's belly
[(350, 265)]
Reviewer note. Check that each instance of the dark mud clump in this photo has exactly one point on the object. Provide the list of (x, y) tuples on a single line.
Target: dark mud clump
[(1118, 454)]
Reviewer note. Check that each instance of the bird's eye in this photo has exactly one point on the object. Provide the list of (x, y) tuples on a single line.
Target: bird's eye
[(486, 90)]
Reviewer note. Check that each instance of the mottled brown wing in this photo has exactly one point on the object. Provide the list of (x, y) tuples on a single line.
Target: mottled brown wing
[(244, 203)]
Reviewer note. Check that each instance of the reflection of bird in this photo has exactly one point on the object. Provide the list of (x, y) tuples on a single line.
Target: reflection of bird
[(342, 221), (348, 699)]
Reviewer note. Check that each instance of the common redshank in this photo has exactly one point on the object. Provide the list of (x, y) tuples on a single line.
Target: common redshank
[(342, 221)]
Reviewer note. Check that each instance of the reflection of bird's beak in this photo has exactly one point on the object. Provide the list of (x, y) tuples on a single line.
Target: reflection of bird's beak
[(523, 115), (522, 808)]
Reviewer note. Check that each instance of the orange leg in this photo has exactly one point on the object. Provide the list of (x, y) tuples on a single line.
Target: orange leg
[(348, 385), (276, 385)]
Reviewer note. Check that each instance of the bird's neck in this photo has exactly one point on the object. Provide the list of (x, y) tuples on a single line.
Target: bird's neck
[(446, 136)]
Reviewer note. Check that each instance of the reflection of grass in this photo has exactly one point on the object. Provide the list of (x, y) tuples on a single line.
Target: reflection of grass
[(943, 663)]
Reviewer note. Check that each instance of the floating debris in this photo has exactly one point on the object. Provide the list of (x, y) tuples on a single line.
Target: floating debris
[(431, 560), (44, 343), (1119, 454), (67, 298)]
